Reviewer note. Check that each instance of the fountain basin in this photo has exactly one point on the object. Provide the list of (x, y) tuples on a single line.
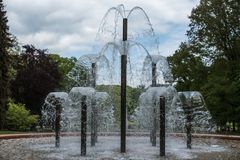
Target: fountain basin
[(138, 134), (138, 147)]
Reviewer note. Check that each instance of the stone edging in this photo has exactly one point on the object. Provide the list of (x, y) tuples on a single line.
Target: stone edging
[(41, 135)]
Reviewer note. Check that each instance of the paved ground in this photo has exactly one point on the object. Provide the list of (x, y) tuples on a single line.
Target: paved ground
[(138, 148)]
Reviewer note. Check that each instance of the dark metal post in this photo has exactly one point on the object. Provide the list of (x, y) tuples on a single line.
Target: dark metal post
[(58, 124), (94, 75), (125, 25), (83, 126), (189, 124), (154, 75), (93, 125), (153, 132), (93, 113), (96, 124), (162, 126), (123, 88)]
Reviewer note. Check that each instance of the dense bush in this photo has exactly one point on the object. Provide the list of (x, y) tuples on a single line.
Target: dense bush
[(19, 118)]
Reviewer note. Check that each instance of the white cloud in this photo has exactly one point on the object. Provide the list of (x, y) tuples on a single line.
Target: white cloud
[(69, 27)]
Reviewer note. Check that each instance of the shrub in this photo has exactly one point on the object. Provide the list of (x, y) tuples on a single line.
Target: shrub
[(19, 118)]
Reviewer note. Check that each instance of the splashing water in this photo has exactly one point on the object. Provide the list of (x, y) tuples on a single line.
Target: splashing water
[(175, 105), (202, 119), (71, 112), (141, 49), (140, 28), (82, 72), (149, 103), (141, 42), (163, 71), (49, 106)]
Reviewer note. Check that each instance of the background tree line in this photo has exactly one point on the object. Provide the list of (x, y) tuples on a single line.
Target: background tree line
[(210, 60)]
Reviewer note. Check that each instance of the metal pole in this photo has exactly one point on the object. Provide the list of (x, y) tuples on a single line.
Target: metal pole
[(96, 124), (57, 125), (93, 136), (153, 132), (162, 126), (83, 126), (154, 75), (94, 75), (189, 124), (94, 111), (123, 88)]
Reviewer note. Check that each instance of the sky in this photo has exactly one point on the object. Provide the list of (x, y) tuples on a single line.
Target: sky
[(69, 27)]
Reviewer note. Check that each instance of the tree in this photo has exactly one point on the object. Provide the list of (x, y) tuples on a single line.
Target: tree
[(132, 98), (5, 42), (216, 93), (215, 30), (189, 72), (65, 65), (79, 75), (215, 27), (37, 75)]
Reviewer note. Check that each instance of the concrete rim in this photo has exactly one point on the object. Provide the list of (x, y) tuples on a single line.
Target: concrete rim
[(52, 134)]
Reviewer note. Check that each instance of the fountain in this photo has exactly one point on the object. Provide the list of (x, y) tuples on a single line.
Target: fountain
[(123, 48), (128, 57), (147, 112), (159, 68), (196, 114), (157, 71), (60, 105), (51, 112)]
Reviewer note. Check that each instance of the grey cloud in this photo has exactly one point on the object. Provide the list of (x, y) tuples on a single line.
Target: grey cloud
[(70, 26)]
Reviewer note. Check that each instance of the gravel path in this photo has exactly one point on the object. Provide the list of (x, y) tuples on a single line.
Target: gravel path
[(138, 148)]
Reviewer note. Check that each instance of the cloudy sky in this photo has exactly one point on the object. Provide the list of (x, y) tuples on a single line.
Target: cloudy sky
[(69, 27)]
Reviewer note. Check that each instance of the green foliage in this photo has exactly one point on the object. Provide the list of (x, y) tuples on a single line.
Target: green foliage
[(19, 118), (215, 27), (78, 76), (188, 70), (214, 35), (65, 65), (132, 98), (37, 75), (5, 44)]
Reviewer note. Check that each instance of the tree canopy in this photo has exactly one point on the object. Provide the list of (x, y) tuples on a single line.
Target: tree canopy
[(188, 70), (5, 44), (213, 35), (37, 75)]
